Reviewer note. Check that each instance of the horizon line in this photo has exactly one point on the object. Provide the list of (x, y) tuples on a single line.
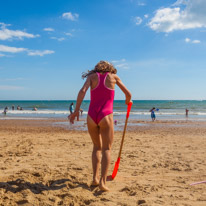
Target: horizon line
[(114, 100)]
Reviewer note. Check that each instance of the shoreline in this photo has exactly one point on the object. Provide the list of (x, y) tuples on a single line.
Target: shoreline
[(134, 116), (42, 164), (81, 125)]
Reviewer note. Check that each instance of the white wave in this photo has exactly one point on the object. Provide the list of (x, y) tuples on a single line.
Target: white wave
[(160, 113), (200, 113), (66, 112), (22, 118), (38, 112)]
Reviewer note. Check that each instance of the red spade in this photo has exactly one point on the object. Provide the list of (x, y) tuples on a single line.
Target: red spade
[(129, 106)]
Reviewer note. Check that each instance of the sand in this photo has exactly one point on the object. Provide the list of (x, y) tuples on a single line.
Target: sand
[(42, 164)]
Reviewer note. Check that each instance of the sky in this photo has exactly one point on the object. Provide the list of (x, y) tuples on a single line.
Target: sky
[(157, 46)]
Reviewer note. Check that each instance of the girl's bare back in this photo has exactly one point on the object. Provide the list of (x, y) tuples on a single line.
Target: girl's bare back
[(110, 81)]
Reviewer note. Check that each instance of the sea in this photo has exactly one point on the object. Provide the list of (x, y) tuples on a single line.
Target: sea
[(168, 109)]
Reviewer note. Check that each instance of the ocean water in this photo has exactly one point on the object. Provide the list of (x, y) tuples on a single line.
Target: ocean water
[(168, 109)]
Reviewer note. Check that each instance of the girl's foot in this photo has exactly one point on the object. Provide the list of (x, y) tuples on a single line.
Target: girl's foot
[(102, 185), (95, 183), (103, 188)]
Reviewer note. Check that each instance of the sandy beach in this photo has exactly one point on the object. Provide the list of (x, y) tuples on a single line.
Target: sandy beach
[(41, 164)]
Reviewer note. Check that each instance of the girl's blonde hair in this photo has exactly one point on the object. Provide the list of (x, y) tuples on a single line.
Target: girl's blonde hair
[(102, 67)]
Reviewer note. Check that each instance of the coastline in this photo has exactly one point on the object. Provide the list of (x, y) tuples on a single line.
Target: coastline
[(46, 164), (167, 109)]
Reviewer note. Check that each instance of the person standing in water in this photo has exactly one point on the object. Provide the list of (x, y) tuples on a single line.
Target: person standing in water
[(101, 80), (71, 108), (5, 110), (153, 114), (81, 111), (186, 112)]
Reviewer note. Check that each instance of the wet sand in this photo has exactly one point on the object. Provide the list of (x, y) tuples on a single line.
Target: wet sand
[(41, 164)]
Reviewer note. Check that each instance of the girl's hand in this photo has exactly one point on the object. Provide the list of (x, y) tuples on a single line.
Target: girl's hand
[(72, 116), (127, 101)]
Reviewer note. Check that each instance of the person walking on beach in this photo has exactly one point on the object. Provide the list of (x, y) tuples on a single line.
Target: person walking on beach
[(153, 114), (101, 80)]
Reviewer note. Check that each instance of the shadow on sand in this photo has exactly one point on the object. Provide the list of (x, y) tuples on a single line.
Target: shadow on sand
[(37, 188), (19, 185)]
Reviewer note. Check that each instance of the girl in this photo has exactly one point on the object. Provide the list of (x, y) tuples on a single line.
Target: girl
[(153, 113), (101, 80)]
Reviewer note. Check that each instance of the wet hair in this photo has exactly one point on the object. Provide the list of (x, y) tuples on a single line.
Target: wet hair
[(102, 67)]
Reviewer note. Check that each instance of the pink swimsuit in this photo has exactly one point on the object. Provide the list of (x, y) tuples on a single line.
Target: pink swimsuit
[(102, 98)]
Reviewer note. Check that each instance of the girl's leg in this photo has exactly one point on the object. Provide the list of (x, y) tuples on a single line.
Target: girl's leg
[(107, 134), (94, 132)]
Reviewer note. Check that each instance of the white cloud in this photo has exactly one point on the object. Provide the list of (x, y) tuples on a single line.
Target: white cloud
[(8, 49), (70, 16), (116, 61), (141, 4), (69, 34), (187, 40), (138, 3), (180, 2), (3, 25), (7, 87), (39, 53), (58, 39), (121, 64), (48, 29), (146, 16), (196, 41), (7, 34), (137, 20), (189, 15)]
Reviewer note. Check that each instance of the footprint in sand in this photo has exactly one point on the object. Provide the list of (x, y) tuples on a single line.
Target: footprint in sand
[(141, 202), (129, 190)]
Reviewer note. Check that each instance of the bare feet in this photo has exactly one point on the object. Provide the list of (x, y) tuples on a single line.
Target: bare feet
[(102, 185), (103, 188), (95, 183)]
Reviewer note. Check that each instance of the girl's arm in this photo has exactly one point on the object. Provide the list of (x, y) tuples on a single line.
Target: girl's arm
[(80, 98), (127, 93)]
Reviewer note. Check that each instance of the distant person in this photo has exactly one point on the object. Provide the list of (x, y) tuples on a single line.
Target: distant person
[(5, 110), (21, 108), (18, 107), (153, 113), (12, 107), (34, 109), (71, 108), (81, 111), (101, 81), (186, 112)]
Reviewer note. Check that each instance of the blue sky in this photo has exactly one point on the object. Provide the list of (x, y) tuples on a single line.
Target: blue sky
[(158, 47)]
